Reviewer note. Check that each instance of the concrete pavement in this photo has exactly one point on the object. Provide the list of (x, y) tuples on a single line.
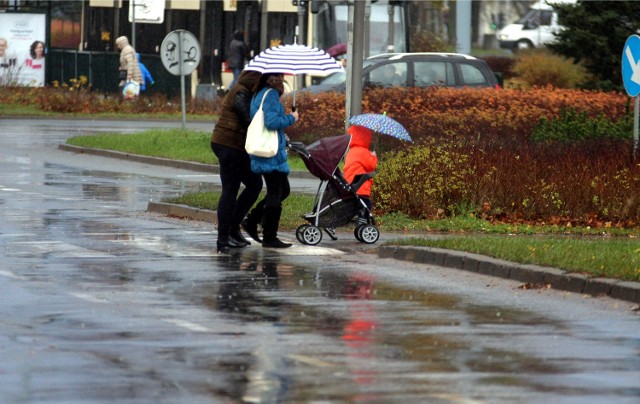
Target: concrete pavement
[(532, 276)]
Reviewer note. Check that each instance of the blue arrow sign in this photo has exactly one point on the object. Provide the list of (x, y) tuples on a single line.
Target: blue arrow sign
[(631, 65)]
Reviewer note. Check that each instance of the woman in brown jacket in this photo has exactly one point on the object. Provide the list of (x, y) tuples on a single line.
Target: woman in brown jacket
[(227, 143)]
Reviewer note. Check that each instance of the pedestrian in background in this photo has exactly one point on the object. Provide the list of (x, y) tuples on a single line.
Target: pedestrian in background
[(275, 170), (238, 54), (146, 75), (227, 142), (129, 68)]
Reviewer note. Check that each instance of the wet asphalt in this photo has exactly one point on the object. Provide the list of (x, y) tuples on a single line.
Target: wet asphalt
[(102, 300)]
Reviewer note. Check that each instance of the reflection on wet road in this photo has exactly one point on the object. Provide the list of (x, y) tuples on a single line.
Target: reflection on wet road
[(100, 301)]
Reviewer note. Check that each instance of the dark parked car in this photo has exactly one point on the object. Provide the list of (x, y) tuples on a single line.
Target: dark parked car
[(417, 70)]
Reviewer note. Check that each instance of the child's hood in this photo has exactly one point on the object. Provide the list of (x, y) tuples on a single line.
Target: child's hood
[(360, 136)]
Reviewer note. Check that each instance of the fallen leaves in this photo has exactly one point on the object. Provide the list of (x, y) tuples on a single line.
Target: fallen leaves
[(529, 286)]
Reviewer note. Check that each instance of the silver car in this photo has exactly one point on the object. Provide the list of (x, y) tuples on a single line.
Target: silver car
[(416, 70)]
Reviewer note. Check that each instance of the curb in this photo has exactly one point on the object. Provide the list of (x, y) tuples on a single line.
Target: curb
[(181, 164), (533, 276), (183, 211)]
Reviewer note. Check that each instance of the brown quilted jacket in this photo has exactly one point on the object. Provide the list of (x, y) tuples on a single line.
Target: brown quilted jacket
[(128, 60), (231, 128)]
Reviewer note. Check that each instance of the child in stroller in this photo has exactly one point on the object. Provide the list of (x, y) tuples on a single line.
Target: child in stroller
[(360, 160), (337, 201)]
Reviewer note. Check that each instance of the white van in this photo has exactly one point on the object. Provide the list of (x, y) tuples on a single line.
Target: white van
[(534, 29)]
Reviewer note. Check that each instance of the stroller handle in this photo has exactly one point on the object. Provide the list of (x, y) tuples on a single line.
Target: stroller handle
[(360, 179), (298, 147)]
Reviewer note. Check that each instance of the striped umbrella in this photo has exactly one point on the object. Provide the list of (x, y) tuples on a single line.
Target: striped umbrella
[(294, 59)]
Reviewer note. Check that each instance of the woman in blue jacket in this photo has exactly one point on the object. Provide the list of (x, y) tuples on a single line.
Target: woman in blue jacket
[(275, 170)]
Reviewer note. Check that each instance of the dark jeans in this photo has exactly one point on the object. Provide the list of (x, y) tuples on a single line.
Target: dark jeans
[(277, 189), (235, 168)]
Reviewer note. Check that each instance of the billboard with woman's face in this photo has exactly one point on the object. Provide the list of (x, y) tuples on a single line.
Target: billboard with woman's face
[(22, 49)]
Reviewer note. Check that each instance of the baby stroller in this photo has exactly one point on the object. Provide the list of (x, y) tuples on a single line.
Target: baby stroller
[(336, 202)]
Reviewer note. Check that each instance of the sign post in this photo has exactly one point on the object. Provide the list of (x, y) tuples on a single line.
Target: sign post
[(145, 11), (180, 55), (631, 79)]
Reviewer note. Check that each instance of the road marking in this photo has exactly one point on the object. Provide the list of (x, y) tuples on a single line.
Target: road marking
[(9, 274), (301, 249), (186, 324), (15, 235), (312, 361), (160, 245), (87, 297), (54, 248)]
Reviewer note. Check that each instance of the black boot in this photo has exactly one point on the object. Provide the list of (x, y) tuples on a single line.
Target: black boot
[(270, 223), (237, 236), (250, 224), (225, 242)]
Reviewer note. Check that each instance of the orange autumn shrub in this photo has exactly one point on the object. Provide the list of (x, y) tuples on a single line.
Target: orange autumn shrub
[(485, 115)]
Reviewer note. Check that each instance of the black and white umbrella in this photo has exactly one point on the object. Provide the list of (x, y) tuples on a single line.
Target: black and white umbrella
[(294, 59)]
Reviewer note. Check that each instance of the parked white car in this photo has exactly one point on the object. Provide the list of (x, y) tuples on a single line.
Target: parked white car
[(535, 29)]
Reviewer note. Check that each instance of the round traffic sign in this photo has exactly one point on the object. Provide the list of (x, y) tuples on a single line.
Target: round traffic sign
[(631, 65), (180, 52)]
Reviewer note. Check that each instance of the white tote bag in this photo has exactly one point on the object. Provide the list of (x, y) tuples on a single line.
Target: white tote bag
[(261, 141)]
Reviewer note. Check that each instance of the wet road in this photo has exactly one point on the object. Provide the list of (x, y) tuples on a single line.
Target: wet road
[(100, 301)]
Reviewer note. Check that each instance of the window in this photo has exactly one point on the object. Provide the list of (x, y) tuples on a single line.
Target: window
[(471, 75), (389, 74), (433, 74)]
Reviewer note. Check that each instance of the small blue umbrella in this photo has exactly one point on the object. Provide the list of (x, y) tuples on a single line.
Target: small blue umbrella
[(381, 123)]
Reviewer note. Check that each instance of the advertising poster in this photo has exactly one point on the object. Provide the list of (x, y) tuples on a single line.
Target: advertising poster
[(22, 49)]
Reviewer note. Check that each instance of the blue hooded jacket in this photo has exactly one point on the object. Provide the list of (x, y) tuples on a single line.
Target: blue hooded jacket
[(146, 75), (274, 119)]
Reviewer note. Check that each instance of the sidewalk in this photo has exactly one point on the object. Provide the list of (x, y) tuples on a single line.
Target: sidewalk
[(532, 276)]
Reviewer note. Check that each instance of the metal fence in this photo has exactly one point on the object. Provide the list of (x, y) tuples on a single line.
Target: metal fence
[(101, 70)]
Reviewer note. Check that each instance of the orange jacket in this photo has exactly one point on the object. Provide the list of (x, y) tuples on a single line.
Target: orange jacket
[(360, 159)]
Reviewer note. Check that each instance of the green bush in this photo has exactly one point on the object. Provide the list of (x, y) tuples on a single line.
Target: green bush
[(427, 181), (573, 126), (540, 68), (427, 41)]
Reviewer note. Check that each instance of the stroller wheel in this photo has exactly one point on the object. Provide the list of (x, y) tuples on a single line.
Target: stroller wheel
[(356, 232), (368, 233), (300, 231), (311, 235)]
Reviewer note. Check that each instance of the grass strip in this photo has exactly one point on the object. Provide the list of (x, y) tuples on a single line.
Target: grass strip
[(177, 144), (608, 257)]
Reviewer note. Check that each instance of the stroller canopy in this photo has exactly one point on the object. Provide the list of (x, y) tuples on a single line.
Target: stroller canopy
[(325, 155)]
